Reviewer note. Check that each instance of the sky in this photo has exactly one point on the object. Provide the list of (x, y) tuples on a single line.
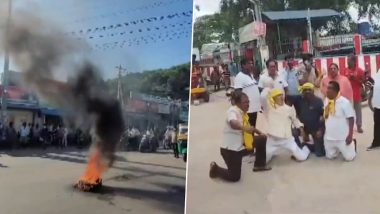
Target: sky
[(139, 35), (206, 7)]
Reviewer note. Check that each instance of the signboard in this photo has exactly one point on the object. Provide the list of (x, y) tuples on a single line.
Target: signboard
[(164, 108), (252, 32)]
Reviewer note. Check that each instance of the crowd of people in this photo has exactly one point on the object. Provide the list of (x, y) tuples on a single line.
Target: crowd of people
[(306, 110), (34, 135)]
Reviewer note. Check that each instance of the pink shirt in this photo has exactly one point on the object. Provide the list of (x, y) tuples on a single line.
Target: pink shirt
[(344, 83)]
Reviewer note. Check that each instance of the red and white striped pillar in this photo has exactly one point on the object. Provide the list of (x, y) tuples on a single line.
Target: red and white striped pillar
[(305, 46), (358, 44)]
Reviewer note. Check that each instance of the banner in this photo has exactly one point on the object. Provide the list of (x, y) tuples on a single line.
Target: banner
[(252, 32)]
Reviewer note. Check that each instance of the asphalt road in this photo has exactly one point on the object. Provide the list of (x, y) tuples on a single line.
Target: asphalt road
[(40, 182), (315, 186)]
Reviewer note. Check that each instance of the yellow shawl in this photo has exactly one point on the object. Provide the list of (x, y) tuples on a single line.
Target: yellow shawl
[(330, 107), (247, 137)]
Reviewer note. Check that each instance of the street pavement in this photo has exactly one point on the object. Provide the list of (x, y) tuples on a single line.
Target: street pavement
[(315, 186), (40, 182)]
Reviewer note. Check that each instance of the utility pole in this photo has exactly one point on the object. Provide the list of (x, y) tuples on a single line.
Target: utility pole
[(310, 31), (120, 96), (6, 68)]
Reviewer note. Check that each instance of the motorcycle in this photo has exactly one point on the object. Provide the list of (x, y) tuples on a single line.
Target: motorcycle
[(148, 144)]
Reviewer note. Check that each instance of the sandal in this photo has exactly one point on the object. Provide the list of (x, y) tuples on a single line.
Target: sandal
[(212, 172), (261, 169)]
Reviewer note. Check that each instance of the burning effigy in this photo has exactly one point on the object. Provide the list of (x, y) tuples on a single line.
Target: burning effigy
[(42, 53)]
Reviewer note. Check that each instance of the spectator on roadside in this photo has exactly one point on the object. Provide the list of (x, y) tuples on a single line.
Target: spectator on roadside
[(356, 77), (36, 134), (44, 136), (246, 83), (291, 76), (12, 135), (31, 133), (374, 104), (65, 133), (344, 83), (24, 134)]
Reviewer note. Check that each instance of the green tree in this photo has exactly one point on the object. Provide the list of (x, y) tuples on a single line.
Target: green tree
[(156, 82)]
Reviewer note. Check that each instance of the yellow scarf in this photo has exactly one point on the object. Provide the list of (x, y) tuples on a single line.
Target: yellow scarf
[(330, 108), (306, 86), (247, 137), (274, 93)]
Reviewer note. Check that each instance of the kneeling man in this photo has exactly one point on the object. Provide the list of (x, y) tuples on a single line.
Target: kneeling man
[(339, 118), (281, 117)]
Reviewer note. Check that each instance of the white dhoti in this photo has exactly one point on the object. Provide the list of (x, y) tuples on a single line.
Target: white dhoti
[(275, 145), (232, 81), (334, 147)]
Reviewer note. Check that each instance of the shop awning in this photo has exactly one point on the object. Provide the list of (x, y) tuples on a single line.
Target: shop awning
[(322, 14), (51, 112)]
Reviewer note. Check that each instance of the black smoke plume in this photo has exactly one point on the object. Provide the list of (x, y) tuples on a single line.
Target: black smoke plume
[(42, 52)]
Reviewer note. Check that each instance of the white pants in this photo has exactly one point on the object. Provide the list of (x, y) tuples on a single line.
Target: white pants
[(275, 145), (334, 147), (232, 81)]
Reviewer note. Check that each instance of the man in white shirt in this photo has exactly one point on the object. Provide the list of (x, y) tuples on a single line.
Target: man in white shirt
[(374, 104), (24, 133), (281, 117), (245, 82), (271, 80), (232, 148), (339, 122)]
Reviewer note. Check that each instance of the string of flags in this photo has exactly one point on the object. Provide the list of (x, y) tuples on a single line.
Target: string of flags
[(144, 40), (156, 4), (134, 23), (187, 24)]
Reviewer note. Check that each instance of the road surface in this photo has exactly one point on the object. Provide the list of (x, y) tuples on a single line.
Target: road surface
[(315, 186), (34, 181)]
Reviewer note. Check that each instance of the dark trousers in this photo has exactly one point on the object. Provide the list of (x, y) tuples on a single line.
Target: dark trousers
[(317, 148), (376, 128), (175, 150), (261, 151), (233, 160), (252, 118)]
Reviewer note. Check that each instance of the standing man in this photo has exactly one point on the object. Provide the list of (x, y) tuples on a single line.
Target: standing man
[(291, 76), (269, 81), (374, 104), (245, 82), (24, 134), (356, 77), (339, 118), (174, 143), (308, 72), (226, 76)]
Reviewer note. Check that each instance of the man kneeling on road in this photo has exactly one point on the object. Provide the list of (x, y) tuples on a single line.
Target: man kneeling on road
[(311, 115), (281, 117), (339, 118)]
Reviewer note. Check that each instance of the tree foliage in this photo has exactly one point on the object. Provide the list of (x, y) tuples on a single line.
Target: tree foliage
[(172, 82)]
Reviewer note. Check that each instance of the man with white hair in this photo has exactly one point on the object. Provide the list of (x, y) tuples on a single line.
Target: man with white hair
[(281, 117)]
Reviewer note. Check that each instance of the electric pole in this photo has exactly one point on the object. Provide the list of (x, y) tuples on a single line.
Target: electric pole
[(120, 95), (6, 68)]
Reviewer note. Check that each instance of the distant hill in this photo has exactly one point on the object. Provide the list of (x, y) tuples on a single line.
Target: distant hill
[(171, 82)]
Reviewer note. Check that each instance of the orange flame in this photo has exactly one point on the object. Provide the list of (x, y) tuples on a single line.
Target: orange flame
[(93, 174)]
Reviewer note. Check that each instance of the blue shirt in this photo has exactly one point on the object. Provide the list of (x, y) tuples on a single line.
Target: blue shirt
[(291, 77)]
